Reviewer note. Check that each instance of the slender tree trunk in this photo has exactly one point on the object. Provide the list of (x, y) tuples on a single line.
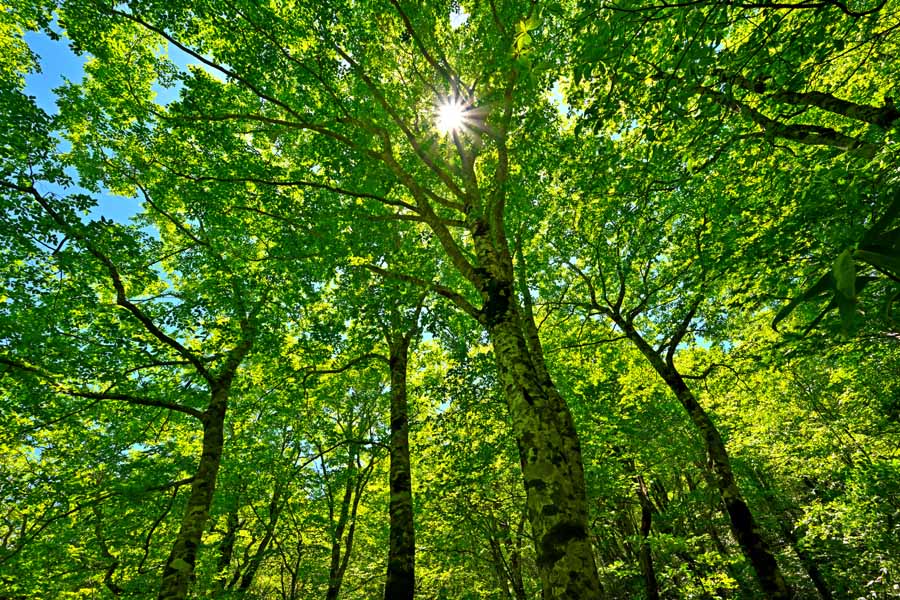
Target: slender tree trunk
[(508, 570), (806, 559), (515, 562), (113, 561), (275, 506), (346, 522), (743, 525), (179, 569), (645, 555), (335, 575), (549, 452), (401, 582), (500, 567), (786, 524), (226, 550)]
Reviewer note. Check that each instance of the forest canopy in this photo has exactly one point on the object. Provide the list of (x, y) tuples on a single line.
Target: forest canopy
[(493, 299)]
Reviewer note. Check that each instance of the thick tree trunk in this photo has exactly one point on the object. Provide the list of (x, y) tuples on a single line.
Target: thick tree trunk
[(179, 569), (401, 582), (743, 525), (549, 452)]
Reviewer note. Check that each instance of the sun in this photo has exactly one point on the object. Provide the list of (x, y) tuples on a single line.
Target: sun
[(451, 115)]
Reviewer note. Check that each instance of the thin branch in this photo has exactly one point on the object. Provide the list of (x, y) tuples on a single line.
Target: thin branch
[(442, 69), (288, 183), (404, 127), (310, 371)]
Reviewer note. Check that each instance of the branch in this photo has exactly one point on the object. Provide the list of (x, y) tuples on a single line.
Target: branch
[(310, 371), (809, 135), (441, 69), (121, 297), (455, 297), (803, 4), (706, 372), (682, 328), (410, 136), (289, 183), (50, 379), (214, 65), (880, 116)]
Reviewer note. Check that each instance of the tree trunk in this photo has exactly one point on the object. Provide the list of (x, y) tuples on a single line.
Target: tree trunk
[(806, 559), (226, 549), (508, 570), (335, 574), (356, 482), (549, 452), (645, 555), (786, 524), (401, 582), (743, 525), (275, 506), (515, 562), (179, 569)]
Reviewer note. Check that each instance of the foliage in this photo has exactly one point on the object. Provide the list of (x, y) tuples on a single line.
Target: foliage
[(196, 401)]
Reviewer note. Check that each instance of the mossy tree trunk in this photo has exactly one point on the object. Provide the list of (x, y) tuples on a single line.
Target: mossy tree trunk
[(179, 567), (178, 572), (549, 452)]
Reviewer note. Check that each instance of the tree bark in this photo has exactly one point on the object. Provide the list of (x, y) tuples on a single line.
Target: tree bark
[(401, 582), (743, 525), (549, 452), (179, 569)]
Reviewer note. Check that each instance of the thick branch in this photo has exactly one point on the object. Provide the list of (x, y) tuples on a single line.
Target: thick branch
[(441, 290), (809, 135), (881, 116), (121, 296)]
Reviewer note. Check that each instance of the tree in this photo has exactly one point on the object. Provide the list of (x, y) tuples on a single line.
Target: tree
[(530, 253)]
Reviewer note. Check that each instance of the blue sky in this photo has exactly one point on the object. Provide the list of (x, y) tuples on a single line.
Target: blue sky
[(59, 65)]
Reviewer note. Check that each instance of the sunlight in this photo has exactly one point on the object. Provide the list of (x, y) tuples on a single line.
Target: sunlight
[(451, 116)]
